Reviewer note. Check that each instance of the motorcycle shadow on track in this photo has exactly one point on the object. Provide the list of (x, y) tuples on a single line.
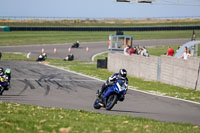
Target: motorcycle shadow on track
[(7, 97), (132, 112)]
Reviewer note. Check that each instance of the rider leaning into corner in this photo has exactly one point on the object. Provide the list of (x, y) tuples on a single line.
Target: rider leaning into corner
[(121, 75), (2, 74), (5, 74)]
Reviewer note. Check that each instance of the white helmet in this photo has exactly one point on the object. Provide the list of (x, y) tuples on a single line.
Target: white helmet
[(1, 71), (123, 73)]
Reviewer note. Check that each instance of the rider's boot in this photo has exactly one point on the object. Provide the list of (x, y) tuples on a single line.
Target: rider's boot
[(104, 86)]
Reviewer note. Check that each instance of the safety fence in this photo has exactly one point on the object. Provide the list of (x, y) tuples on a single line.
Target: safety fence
[(166, 28), (99, 24)]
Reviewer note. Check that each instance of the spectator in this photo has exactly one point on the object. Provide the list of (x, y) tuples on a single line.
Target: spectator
[(139, 51), (144, 52), (170, 52), (131, 51), (177, 49), (126, 50), (135, 50), (193, 36), (186, 53)]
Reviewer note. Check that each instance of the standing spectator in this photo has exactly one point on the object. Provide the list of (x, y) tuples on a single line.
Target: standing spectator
[(186, 53), (177, 49), (144, 52), (126, 50), (139, 51), (135, 50), (131, 51), (193, 36), (170, 51)]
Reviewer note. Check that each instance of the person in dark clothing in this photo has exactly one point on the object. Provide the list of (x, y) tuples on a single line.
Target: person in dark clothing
[(75, 45)]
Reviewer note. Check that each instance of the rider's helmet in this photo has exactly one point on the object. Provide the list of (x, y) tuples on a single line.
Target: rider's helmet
[(123, 73), (77, 41), (1, 71)]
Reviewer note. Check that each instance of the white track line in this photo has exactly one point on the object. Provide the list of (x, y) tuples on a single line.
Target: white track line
[(129, 88), (98, 54)]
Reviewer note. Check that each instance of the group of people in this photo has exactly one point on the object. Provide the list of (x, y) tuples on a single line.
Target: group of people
[(185, 54), (144, 52), (136, 50)]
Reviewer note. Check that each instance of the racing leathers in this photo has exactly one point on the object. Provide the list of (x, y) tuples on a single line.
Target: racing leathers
[(112, 80)]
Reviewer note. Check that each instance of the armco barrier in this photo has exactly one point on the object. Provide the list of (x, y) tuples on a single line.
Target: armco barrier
[(170, 70), (164, 28)]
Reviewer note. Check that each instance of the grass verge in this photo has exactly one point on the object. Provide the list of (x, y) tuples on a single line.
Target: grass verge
[(20, 118), (29, 118), (16, 56), (55, 37)]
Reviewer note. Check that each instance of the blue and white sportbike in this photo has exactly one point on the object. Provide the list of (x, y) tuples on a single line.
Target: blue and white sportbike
[(111, 95)]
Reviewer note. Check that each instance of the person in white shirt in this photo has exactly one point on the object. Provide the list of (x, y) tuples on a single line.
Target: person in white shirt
[(126, 50), (186, 54)]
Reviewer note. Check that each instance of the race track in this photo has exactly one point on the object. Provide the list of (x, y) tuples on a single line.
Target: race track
[(80, 53), (39, 84)]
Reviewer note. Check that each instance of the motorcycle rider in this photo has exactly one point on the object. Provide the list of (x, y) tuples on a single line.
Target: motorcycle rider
[(5, 75), (75, 45), (2, 75), (122, 75)]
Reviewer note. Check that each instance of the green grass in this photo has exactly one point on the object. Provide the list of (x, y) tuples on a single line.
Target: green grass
[(16, 56), (161, 50), (55, 37), (49, 37), (18, 118)]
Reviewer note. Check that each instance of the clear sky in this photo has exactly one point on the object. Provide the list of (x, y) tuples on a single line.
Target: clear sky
[(93, 9)]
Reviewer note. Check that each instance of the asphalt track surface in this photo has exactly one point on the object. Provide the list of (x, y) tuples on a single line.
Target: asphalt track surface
[(38, 84)]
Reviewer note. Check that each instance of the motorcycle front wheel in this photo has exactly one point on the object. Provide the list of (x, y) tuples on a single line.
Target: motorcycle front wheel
[(111, 101)]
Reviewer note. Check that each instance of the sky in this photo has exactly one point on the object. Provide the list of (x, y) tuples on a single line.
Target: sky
[(93, 9)]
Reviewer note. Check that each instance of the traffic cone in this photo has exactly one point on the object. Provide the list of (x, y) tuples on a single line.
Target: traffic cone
[(42, 50), (69, 50), (87, 49), (54, 50)]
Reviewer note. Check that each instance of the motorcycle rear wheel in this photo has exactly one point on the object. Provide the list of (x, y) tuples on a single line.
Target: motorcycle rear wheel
[(96, 104)]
